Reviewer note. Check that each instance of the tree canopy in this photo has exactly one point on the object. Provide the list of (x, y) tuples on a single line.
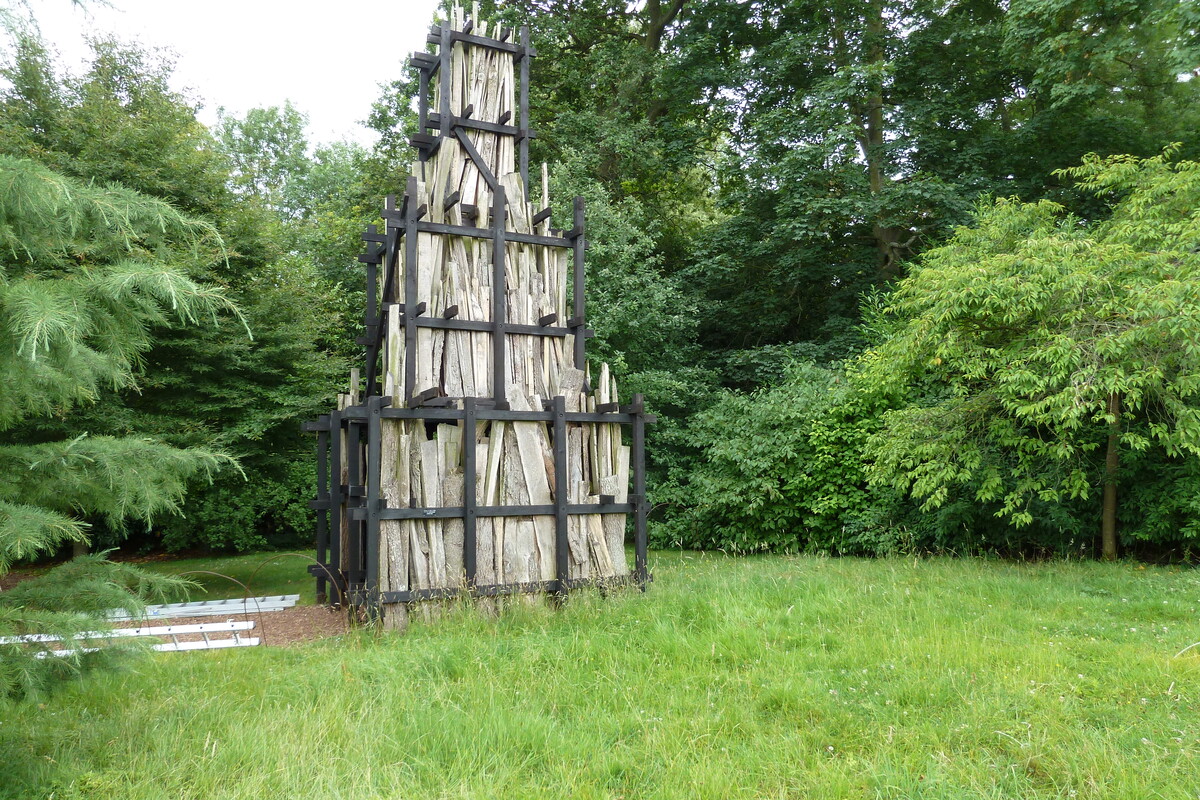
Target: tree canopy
[(87, 273), (1055, 344)]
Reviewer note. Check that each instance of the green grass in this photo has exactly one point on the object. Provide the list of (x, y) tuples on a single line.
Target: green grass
[(261, 574), (732, 678)]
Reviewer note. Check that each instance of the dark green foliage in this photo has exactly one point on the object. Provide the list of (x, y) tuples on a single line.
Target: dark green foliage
[(265, 510)]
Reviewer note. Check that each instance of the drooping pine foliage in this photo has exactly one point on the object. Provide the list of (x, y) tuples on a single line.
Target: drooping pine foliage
[(86, 273)]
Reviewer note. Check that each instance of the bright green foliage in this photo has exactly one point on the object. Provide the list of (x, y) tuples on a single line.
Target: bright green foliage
[(118, 121), (1025, 324), (86, 273), (782, 470), (267, 149)]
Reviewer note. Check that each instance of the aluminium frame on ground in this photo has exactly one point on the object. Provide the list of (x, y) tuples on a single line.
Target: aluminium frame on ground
[(349, 514)]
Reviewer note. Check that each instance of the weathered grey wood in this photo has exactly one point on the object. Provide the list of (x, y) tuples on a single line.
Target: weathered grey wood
[(597, 544), (514, 461), (419, 549), (614, 524), (393, 539)]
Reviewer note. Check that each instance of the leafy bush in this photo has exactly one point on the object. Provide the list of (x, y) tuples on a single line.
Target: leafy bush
[(781, 470), (258, 511)]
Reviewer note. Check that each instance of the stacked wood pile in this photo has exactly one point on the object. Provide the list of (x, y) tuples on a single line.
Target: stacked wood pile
[(422, 461)]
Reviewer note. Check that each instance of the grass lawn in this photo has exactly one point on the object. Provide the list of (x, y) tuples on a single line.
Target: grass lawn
[(261, 574), (761, 677)]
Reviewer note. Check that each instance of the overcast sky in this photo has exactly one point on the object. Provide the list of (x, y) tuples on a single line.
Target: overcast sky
[(328, 58)]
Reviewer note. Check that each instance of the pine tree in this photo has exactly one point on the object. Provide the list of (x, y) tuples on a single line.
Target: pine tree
[(87, 272)]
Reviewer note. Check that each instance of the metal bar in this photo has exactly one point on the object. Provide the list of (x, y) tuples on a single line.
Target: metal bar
[(435, 121), (444, 53), (495, 590), (457, 512), (480, 41), (485, 233), (410, 288), (124, 633), (371, 325), (578, 281), (323, 514), (335, 492), (391, 261), (391, 249), (374, 495), (504, 415), (560, 481), (354, 548), (470, 497), (639, 490), (524, 101), (499, 301), (422, 110), (455, 324)]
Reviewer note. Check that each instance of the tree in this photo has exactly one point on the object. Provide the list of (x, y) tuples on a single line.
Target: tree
[(864, 132), (268, 151), (120, 121), (1055, 348), (87, 272)]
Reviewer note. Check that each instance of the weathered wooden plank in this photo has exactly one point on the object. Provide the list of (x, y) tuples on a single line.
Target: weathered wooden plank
[(431, 497), (614, 524), (393, 539), (597, 544)]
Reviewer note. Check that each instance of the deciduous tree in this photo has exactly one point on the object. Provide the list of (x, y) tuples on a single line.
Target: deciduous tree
[(1055, 347)]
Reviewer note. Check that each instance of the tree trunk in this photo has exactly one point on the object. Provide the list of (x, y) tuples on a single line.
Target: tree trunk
[(1108, 523), (888, 238)]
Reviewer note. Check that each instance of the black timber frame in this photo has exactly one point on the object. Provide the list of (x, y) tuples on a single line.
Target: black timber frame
[(349, 514)]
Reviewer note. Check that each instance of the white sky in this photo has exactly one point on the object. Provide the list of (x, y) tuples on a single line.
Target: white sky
[(328, 58)]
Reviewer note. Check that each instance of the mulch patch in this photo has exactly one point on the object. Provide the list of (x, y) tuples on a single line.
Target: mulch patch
[(275, 628)]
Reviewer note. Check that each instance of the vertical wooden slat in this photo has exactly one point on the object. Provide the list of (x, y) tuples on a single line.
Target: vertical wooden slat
[(639, 490), (578, 283), (470, 554), (499, 301), (561, 561)]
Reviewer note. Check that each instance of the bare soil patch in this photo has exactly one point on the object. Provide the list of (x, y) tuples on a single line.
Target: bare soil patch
[(275, 628)]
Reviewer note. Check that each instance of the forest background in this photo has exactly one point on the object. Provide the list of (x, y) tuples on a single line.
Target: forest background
[(800, 253)]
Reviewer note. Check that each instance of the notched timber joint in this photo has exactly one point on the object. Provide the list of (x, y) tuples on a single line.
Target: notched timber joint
[(425, 396)]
